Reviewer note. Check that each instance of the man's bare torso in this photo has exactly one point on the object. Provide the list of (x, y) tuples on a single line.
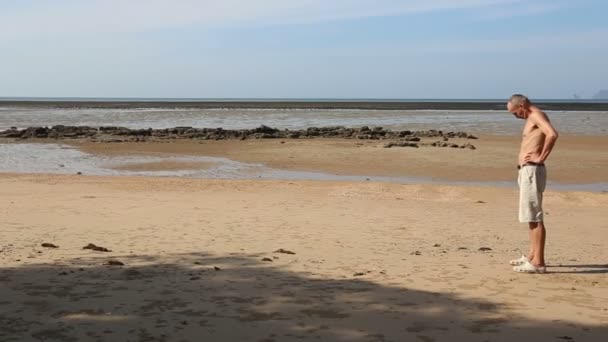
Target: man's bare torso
[(533, 139)]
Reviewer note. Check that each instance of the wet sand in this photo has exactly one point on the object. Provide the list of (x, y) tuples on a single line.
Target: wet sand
[(372, 262), (164, 166), (575, 160)]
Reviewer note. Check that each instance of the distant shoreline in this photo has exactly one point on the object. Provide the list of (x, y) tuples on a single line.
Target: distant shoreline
[(298, 104)]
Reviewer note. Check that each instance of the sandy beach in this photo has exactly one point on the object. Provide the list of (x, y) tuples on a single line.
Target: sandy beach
[(211, 260), (295, 171)]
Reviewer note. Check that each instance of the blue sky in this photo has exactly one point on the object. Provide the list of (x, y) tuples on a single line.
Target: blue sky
[(303, 48)]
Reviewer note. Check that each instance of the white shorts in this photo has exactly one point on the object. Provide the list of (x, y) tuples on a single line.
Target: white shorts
[(532, 180)]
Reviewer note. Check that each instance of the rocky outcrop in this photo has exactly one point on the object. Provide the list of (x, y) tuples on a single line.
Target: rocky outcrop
[(120, 134), (434, 144)]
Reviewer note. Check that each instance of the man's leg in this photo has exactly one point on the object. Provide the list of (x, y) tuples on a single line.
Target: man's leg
[(532, 183), (537, 238), (531, 233)]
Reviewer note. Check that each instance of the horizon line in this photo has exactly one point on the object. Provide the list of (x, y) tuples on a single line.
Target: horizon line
[(240, 99)]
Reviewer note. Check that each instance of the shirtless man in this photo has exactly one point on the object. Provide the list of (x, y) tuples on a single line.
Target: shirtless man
[(538, 140)]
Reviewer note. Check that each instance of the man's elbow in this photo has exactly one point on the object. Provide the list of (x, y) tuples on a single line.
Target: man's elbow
[(553, 135)]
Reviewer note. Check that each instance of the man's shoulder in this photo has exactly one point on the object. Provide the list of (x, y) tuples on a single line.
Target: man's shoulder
[(538, 113)]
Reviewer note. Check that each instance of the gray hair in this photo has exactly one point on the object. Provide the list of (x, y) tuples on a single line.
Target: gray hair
[(519, 99)]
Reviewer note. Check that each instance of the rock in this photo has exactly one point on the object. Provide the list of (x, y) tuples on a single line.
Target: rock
[(113, 263), (462, 248), (485, 249), (267, 259), (481, 202), (49, 245), (195, 278), (266, 130), (358, 274), (283, 251), (217, 268), (416, 253), (401, 144), (96, 248), (436, 245)]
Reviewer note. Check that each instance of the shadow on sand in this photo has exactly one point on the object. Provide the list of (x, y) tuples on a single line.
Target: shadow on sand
[(579, 269), (186, 298)]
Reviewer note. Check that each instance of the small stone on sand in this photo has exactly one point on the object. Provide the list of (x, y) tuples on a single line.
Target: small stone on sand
[(283, 251), (114, 263), (96, 248)]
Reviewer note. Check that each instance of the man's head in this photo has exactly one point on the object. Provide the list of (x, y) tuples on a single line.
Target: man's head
[(519, 105)]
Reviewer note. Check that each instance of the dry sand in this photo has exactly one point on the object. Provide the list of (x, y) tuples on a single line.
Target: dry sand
[(373, 261)]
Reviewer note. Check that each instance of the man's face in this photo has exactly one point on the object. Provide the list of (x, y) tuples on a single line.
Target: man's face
[(518, 110)]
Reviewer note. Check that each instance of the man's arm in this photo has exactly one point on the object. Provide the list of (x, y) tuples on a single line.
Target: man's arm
[(542, 122)]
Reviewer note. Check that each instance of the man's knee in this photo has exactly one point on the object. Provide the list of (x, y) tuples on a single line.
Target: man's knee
[(533, 225)]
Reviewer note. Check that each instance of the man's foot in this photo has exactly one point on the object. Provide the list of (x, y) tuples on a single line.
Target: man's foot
[(520, 261), (527, 267)]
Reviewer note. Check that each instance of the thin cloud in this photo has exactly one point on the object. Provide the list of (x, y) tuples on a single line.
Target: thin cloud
[(530, 9), (593, 40), (60, 18)]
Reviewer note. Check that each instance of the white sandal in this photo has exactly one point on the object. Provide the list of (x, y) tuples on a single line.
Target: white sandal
[(527, 267), (520, 261)]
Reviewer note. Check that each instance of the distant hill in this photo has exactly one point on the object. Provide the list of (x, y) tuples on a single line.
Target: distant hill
[(601, 95)]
